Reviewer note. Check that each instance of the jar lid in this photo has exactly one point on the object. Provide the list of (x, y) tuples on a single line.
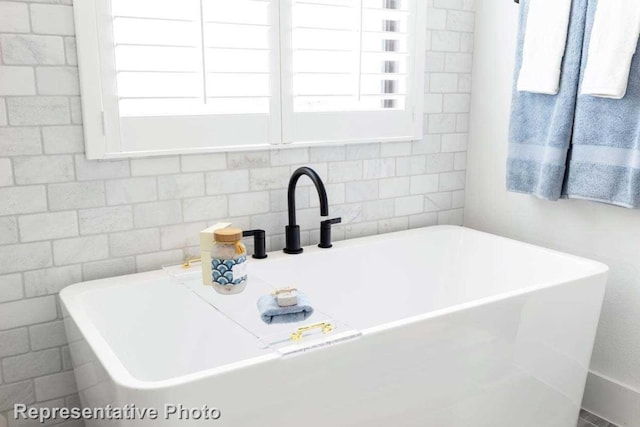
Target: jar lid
[(227, 235)]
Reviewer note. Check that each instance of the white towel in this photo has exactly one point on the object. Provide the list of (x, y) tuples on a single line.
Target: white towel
[(544, 44), (614, 38)]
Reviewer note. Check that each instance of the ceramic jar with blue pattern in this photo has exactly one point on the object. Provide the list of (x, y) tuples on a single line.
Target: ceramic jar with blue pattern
[(228, 261)]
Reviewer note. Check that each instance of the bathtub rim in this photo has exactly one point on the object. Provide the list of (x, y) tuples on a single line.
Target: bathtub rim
[(120, 375)]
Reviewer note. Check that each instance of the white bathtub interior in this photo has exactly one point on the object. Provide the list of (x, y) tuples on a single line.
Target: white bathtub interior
[(164, 331)]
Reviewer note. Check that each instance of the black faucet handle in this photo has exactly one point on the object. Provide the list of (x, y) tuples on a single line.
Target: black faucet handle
[(325, 232), (331, 221), (259, 242)]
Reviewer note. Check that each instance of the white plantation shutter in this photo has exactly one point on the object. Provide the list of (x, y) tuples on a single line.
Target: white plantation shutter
[(189, 75), (192, 56), (176, 76), (354, 74)]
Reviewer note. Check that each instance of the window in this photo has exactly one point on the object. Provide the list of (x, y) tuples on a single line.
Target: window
[(179, 76)]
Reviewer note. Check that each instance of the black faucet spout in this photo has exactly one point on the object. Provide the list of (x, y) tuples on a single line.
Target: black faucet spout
[(291, 192), (293, 230)]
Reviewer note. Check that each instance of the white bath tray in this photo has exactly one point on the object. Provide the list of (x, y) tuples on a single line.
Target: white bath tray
[(318, 331)]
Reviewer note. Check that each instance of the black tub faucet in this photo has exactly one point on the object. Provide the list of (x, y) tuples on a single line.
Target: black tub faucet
[(259, 242), (292, 231)]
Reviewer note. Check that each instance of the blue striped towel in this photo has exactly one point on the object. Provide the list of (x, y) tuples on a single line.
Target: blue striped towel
[(605, 156), (541, 125)]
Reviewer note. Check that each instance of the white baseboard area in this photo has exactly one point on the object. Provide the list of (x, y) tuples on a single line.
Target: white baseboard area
[(611, 400)]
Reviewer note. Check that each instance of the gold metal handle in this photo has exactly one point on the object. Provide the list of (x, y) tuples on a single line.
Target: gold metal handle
[(324, 326), (187, 263)]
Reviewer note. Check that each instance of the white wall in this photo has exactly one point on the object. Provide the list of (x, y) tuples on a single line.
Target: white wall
[(606, 233)]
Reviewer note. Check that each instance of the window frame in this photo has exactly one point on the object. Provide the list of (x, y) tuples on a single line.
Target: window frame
[(281, 128)]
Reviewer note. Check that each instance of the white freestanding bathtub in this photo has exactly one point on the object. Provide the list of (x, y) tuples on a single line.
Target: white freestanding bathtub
[(446, 327)]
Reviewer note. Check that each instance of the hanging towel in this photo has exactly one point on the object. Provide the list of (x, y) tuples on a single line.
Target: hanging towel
[(605, 156), (544, 46), (613, 42), (540, 128)]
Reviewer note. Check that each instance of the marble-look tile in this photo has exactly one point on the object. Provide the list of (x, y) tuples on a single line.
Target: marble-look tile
[(32, 49), (584, 423), (587, 419)]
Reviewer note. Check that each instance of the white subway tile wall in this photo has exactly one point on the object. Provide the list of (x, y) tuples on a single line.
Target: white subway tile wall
[(64, 219)]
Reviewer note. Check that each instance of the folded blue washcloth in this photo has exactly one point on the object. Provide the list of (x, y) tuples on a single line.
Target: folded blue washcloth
[(605, 155), (271, 312), (541, 125)]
